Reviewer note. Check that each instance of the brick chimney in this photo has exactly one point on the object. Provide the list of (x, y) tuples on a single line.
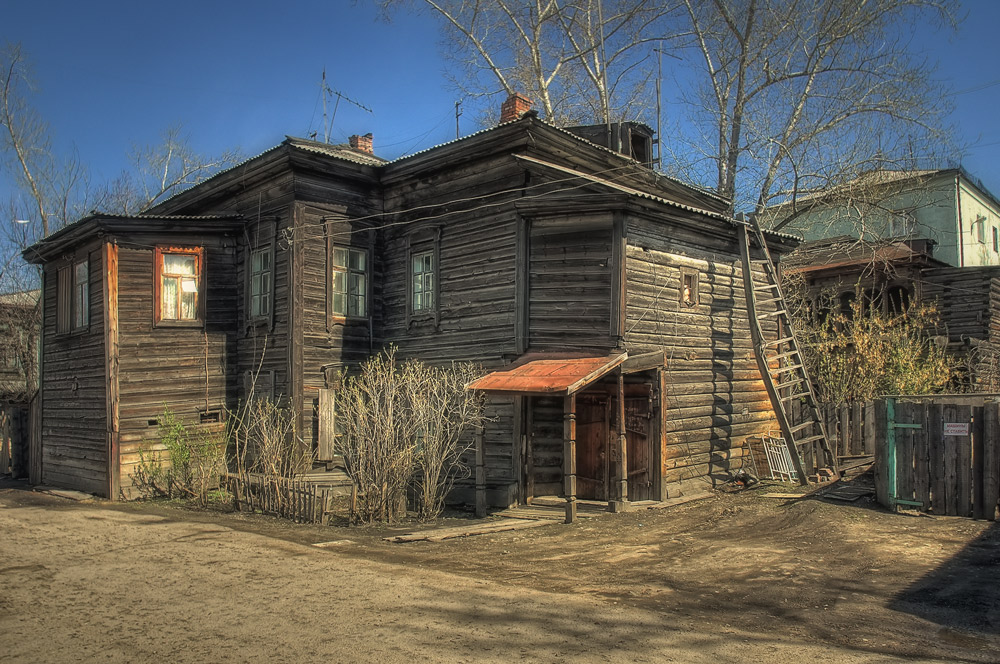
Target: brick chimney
[(515, 106), (363, 143)]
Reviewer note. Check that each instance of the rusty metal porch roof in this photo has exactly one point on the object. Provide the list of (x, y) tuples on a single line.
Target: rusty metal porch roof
[(546, 374)]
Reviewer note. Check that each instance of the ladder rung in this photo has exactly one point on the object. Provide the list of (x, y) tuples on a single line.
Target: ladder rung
[(810, 439), (778, 342), (802, 426), (765, 287), (784, 355), (771, 300), (793, 397), (789, 383), (781, 370), (769, 314)]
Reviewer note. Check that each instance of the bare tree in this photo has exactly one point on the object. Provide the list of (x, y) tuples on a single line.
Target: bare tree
[(796, 96), (578, 60), (159, 171)]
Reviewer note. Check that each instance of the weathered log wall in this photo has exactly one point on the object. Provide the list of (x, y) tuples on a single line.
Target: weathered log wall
[(74, 454), (714, 396), (186, 369)]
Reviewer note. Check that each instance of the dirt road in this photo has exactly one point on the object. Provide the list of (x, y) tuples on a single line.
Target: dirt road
[(734, 578)]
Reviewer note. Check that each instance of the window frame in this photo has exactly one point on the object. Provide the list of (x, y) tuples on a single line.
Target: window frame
[(979, 229), (332, 268), (424, 241), (689, 295), (266, 317), (200, 271), (73, 297)]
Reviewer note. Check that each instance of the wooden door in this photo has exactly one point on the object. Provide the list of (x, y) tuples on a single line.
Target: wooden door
[(640, 453), (592, 428)]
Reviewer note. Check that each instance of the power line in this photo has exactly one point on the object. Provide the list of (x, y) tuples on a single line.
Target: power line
[(326, 220)]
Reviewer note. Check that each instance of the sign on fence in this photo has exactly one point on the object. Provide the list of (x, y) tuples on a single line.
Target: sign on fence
[(956, 428)]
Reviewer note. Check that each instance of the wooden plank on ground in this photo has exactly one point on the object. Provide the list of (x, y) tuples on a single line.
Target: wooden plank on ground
[(441, 534)]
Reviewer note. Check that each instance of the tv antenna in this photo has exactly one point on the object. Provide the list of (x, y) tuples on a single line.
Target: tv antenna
[(328, 92)]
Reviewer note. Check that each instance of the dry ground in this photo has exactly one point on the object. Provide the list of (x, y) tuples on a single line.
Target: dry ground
[(735, 577)]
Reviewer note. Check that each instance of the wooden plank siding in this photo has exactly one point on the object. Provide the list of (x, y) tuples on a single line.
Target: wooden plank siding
[(713, 393), (74, 392), (185, 369)]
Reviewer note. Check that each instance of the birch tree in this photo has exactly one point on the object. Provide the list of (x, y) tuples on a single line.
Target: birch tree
[(578, 60), (794, 96)]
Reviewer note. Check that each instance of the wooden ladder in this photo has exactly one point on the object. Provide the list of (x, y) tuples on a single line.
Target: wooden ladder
[(780, 362)]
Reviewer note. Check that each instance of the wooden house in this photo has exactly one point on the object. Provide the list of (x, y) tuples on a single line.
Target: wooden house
[(605, 300), (889, 276)]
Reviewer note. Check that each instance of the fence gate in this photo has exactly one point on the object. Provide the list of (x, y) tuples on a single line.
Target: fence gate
[(939, 454)]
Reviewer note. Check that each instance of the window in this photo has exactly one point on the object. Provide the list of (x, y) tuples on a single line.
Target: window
[(901, 225), (81, 294), (349, 282), (260, 283), (422, 280), (979, 227), (73, 297), (996, 240), (689, 287), (178, 285)]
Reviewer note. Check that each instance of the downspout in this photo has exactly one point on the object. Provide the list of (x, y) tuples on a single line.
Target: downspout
[(961, 227)]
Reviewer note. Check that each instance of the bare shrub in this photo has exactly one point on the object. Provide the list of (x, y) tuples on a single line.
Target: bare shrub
[(262, 439), (187, 465), (447, 416), (378, 437), (405, 426)]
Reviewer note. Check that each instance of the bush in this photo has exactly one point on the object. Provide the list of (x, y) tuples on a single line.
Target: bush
[(862, 354), (405, 427), (191, 467)]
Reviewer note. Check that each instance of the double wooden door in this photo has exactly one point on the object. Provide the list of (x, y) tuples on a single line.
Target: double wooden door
[(596, 440)]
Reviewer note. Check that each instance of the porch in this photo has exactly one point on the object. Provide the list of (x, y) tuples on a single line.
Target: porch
[(586, 428)]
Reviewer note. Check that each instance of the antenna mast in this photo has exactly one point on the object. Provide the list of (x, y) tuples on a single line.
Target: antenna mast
[(327, 91)]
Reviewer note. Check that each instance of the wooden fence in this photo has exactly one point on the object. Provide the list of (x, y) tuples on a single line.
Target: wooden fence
[(15, 433), (850, 429), (297, 500), (938, 454)]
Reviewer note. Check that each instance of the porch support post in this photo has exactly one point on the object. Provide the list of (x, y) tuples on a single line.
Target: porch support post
[(480, 473), (621, 467), (569, 456)]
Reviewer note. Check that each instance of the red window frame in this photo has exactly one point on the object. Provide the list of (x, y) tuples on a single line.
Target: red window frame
[(199, 254)]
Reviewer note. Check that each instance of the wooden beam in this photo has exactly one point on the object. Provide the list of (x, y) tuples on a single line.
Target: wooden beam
[(569, 456), (109, 261), (645, 362), (621, 453)]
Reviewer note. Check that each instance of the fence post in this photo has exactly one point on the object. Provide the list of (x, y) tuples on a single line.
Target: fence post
[(890, 452)]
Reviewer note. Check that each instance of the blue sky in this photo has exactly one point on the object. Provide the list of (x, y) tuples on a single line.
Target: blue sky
[(113, 73)]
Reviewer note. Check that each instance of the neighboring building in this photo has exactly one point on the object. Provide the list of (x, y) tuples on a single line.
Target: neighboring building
[(522, 246), (893, 275), (18, 378), (948, 207)]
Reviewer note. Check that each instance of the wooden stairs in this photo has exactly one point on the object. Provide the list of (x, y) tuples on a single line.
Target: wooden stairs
[(779, 360)]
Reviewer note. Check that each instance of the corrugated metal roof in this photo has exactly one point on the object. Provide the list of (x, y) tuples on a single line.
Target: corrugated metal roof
[(336, 150), (548, 375)]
